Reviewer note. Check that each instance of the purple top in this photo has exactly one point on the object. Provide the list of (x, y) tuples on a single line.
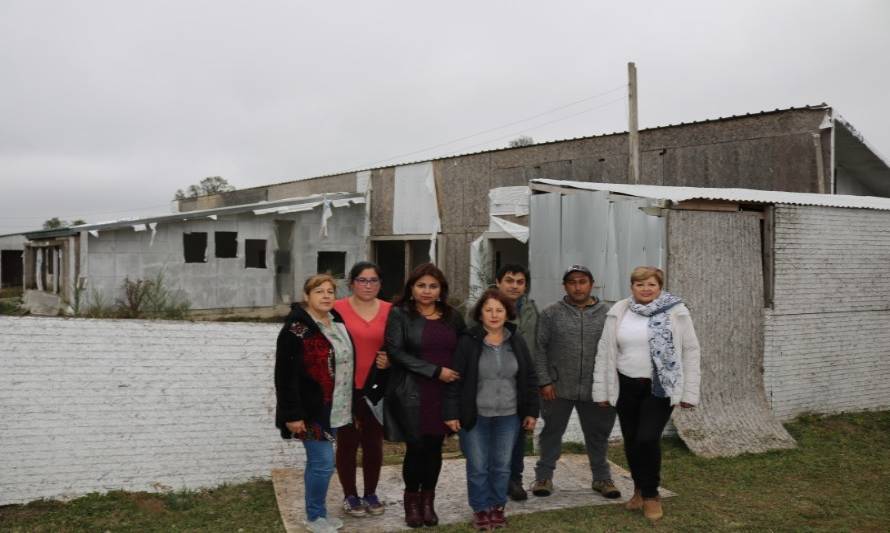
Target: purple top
[(437, 347)]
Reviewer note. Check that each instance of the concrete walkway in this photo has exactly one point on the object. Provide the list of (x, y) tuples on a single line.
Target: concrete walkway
[(572, 481)]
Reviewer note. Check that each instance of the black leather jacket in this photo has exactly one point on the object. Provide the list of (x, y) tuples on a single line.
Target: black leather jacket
[(401, 407)]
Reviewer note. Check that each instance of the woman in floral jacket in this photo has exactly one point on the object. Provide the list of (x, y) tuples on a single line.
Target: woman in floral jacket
[(313, 386)]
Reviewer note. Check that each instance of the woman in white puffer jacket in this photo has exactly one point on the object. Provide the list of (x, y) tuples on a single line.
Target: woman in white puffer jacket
[(647, 362)]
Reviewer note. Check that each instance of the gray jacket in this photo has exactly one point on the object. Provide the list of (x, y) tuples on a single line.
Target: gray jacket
[(567, 339)]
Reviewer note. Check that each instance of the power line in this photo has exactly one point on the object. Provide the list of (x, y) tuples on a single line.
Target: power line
[(483, 132), (588, 110)]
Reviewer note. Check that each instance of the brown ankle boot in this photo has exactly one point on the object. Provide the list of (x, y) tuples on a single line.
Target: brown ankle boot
[(429, 512), (652, 508), (635, 503), (413, 516)]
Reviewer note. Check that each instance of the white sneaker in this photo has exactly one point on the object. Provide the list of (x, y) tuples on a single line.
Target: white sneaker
[(334, 522), (319, 525)]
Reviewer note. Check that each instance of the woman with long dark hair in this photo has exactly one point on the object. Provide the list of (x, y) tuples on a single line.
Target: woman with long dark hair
[(421, 335)]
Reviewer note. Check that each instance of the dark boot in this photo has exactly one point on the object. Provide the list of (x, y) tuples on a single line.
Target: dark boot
[(429, 512), (413, 516)]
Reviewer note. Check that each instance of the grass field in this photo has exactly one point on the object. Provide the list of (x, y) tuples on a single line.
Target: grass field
[(837, 480)]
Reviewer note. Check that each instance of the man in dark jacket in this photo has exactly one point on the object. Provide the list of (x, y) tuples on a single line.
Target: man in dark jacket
[(513, 282), (568, 334)]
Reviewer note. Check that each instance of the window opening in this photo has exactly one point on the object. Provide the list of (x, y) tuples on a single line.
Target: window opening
[(255, 253), (194, 246), (226, 244), (334, 263)]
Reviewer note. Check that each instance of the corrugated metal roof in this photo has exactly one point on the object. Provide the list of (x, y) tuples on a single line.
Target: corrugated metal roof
[(262, 207), (748, 196)]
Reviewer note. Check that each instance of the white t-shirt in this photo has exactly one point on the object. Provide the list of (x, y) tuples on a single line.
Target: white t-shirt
[(633, 359)]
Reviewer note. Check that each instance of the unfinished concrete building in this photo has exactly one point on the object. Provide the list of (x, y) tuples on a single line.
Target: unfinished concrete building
[(809, 149), (234, 258)]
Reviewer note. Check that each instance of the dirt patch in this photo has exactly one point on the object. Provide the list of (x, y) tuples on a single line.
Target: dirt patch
[(148, 502)]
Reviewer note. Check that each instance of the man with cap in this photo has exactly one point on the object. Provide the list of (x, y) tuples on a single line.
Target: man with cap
[(567, 336)]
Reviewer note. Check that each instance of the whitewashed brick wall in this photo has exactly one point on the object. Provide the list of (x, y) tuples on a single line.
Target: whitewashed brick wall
[(827, 340), (98, 405)]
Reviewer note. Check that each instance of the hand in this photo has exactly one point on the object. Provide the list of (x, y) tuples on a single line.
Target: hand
[(453, 425), (685, 405), (548, 392), (382, 360), (297, 428), (602, 404), (528, 423), (447, 375)]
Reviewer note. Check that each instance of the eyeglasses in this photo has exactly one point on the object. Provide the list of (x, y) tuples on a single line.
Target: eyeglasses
[(366, 281)]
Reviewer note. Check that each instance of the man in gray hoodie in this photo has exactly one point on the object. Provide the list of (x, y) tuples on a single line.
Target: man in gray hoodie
[(567, 336)]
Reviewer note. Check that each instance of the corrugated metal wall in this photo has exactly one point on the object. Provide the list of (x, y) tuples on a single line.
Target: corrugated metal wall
[(608, 234), (827, 340), (714, 264)]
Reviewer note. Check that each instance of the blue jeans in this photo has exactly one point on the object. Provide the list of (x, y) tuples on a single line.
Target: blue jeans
[(317, 476), (488, 448)]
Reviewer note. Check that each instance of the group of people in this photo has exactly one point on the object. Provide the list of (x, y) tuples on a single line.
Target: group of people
[(359, 370)]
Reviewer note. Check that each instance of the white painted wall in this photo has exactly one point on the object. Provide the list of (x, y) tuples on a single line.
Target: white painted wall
[(827, 340), (98, 405)]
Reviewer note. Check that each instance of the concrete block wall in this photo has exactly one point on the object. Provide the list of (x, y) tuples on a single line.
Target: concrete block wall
[(99, 405), (345, 234), (827, 340), (220, 282)]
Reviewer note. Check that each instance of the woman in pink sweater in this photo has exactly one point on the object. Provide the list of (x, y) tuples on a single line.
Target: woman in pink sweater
[(365, 317)]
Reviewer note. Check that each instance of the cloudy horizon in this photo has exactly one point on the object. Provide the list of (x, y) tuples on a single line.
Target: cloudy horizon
[(107, 108)]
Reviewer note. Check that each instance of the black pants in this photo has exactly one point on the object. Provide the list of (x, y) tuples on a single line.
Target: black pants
[(642, 417), (423, 462)]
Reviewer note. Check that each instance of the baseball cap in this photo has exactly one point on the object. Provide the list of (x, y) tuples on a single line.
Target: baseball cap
[(577, 268)]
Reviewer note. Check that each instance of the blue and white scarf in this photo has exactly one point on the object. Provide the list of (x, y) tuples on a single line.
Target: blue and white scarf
[(668, 372)]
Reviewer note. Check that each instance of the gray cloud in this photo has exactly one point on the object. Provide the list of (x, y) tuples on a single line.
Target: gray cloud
[(106, 108)]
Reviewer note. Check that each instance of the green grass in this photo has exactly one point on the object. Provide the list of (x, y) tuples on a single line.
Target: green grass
[(10, 306), (837, 480)]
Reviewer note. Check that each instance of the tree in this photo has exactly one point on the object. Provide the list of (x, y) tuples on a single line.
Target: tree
[(209, 185), (523, 140), (56, 223)]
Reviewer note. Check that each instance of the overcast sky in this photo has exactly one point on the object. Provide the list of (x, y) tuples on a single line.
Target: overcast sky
[(106, 108)]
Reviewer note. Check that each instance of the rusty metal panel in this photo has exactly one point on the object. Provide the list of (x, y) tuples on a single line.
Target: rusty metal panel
[(714, 264)]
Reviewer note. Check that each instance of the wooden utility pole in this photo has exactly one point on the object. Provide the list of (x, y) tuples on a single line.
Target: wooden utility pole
[(633, 140)]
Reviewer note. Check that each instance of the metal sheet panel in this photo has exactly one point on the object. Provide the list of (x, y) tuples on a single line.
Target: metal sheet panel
[(610, 236), (584, 233), (545, 248)]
